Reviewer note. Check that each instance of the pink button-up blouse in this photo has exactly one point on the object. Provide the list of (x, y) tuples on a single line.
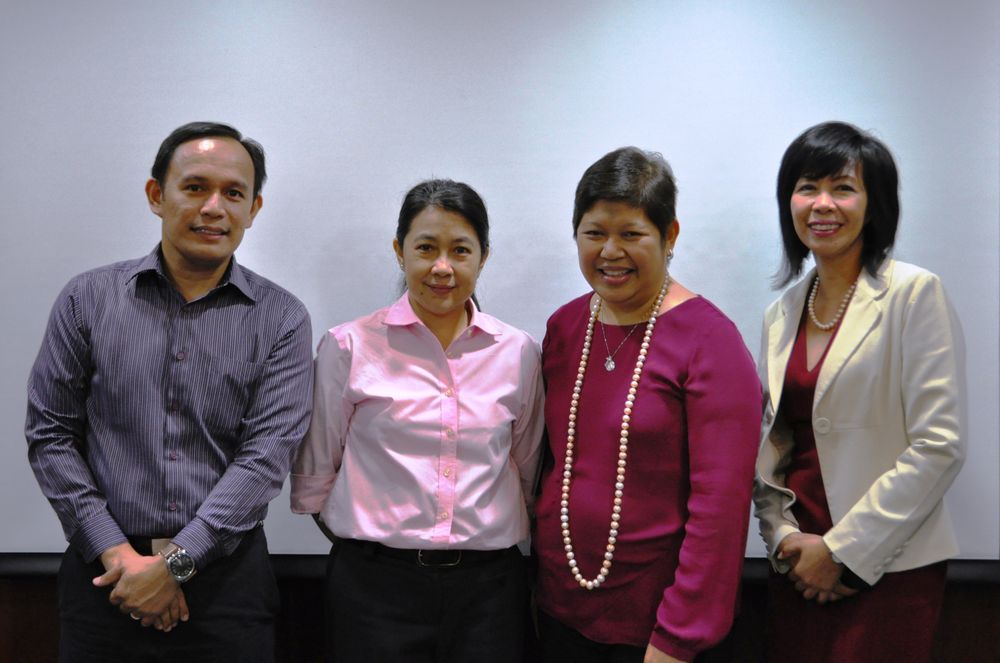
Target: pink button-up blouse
[(416, 446)]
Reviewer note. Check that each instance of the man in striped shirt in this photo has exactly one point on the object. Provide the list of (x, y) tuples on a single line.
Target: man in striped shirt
[(167, 400)]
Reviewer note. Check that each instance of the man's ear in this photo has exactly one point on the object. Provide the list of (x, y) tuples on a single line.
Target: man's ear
[(154, 195), (258, 202)]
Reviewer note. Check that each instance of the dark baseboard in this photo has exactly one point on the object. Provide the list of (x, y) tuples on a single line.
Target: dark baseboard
[(960, 571)]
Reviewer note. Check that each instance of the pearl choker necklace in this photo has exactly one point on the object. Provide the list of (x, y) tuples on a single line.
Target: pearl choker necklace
[(827, 326), (616, 510)]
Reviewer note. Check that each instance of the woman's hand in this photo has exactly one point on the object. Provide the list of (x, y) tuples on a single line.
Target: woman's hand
[(814, 572), (654, 655)]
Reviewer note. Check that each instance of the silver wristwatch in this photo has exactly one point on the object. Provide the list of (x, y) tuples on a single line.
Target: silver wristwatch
[(179, 563)]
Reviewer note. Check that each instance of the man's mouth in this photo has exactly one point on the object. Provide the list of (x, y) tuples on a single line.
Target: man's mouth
[(210, 231)]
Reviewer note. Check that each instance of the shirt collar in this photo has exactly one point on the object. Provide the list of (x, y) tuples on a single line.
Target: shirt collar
[(234, 275), (401, 314)]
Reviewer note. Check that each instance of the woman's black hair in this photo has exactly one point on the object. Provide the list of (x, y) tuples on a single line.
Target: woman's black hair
[(822, 151), (632, 176), (457, 197)]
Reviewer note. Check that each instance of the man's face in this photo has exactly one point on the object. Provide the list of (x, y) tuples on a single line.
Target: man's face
[(206, 203)]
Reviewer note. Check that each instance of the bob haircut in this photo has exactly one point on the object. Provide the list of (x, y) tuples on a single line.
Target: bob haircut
[(632, 176), (457, 197), (825, 150), (194, 130)]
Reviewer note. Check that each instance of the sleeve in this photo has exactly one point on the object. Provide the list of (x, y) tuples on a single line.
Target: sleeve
[(273, 426), (934, 409), (526, 444), (771, 502), (723, 423), (319, 458), (56, 430)]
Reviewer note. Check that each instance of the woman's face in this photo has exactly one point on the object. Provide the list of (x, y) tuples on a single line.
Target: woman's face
[(441, 259), (829, 214), (622, 254)]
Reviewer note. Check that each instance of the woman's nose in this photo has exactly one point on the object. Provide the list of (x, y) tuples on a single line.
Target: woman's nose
[(610, 249), (824, 200), (442, 265)]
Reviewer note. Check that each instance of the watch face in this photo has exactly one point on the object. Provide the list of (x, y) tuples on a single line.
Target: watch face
[(181, 565)]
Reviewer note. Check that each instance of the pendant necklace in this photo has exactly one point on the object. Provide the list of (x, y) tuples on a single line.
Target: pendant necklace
[(609, 363)]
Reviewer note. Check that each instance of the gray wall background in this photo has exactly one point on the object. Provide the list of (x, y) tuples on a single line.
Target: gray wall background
[(356, 102)]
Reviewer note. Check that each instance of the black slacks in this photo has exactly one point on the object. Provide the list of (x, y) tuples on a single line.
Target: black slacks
[(381, 608), (562, 644), (232, 603)]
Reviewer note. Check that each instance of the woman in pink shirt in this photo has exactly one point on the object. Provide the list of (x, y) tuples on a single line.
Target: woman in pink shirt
[(421, 455)]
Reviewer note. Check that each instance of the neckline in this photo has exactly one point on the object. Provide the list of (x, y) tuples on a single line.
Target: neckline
[(590, 296)]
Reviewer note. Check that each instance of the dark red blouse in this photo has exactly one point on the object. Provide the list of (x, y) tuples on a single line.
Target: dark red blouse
[(692, 445)]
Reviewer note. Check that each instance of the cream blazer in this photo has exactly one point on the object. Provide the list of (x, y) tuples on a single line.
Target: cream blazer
[(889, 417)]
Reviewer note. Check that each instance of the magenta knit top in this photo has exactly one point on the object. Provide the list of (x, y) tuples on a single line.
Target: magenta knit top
[(692, 445)]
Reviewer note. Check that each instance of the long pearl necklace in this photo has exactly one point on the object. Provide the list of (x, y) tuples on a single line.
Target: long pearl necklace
[(616, 510), (827, 326)]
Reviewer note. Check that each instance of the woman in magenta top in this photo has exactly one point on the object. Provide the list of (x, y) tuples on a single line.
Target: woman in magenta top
[(863, 365), (422, 454), (652, 410)]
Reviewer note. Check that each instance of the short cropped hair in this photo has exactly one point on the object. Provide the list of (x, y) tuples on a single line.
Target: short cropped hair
[(823, 151), (632, 176), (194, 130)]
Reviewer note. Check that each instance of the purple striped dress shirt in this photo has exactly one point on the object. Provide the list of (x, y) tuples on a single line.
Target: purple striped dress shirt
[(152, 416)]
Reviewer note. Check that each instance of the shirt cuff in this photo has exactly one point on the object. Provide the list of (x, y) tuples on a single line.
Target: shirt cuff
[(201, 542), (309, 492), (97, 534), (671, 647)]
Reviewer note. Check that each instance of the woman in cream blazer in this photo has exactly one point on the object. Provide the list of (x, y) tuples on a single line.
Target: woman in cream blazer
[(885, 437)]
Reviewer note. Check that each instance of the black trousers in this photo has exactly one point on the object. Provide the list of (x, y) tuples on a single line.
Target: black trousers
[(562, 644), (232, 603), (383, 609)]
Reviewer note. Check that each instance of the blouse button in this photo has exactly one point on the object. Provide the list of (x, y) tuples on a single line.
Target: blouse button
[(822, 425)]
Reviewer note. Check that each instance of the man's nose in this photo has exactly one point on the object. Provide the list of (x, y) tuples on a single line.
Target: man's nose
[(212, 204)]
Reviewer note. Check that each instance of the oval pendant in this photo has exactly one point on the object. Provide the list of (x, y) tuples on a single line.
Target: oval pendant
[(609, 364)]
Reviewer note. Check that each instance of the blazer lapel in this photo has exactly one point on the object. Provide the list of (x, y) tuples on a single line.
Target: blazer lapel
[(781, 336), (862, 315)]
